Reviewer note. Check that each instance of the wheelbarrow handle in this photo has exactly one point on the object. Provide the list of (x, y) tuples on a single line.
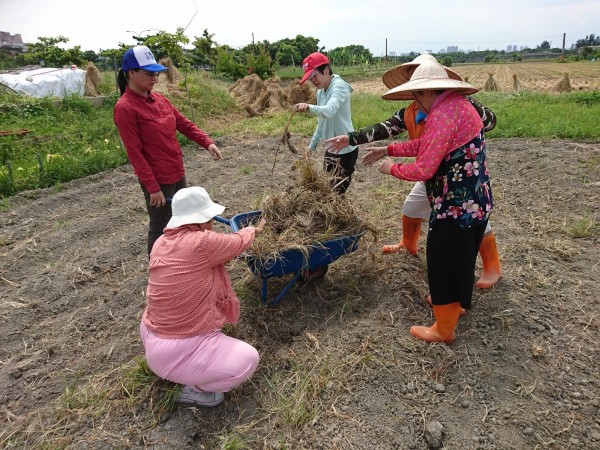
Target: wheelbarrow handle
[(222, 220)]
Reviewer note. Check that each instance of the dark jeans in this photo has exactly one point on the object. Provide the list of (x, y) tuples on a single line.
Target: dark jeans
[(342, 168), (160, 216)]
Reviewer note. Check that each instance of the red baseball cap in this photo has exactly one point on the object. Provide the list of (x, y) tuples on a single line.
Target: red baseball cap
[(310, 63)]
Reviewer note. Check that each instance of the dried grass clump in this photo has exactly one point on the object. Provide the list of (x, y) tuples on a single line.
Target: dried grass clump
[(564, 85), (490, 84), (517, 86), (257, 96), (305, 214), (163, 86), (299, 93), (173, 74), (93, 78)]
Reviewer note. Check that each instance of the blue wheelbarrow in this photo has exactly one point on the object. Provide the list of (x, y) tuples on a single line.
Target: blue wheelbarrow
[(307, 267)]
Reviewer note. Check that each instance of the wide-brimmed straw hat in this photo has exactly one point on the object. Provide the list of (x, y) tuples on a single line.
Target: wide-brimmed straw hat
[(402, 73), (193, 205), (429, 75)]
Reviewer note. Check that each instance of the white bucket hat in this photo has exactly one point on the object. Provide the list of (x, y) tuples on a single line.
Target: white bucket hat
[(402, 73), (430, 75), (193, 205)]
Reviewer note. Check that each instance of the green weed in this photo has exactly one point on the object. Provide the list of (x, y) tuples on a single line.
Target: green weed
[(233, 441), (581, 228), (4, 204), (247, 170)]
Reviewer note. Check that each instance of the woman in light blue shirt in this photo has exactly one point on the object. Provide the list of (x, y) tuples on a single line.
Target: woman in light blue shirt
[(333, 117)]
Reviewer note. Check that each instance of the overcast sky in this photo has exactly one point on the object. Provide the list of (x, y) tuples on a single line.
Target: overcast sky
[(408, 26)]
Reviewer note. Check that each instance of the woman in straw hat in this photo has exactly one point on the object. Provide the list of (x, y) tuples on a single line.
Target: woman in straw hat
[(190, 297), (148, 124), (416, 205), (450, 156)]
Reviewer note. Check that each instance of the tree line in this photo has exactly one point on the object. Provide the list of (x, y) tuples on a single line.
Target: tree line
[(263, 58)]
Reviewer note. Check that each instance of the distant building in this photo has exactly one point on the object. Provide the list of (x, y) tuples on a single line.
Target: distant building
[(12, 43), (452, 49)]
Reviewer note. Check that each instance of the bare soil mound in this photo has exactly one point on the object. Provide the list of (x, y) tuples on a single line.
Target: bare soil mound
[(339, 369)]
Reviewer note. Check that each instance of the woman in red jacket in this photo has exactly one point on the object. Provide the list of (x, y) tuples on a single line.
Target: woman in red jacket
[(148, 124)]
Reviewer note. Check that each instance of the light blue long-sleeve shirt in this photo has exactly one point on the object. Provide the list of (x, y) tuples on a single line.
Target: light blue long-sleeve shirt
[(333, 113)]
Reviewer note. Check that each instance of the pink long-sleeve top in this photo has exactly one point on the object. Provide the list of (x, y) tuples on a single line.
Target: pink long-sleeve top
[(452, 122), (189, 291)]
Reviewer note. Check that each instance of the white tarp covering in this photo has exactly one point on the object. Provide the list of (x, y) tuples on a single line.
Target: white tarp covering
[(46, 82)]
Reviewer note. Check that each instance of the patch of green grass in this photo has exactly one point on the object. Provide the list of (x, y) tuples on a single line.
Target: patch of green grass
[(233, 441), (591, 163), (140, 383), (581, 228), (58, 224), (4, 204), (246, 170), (542, 115)]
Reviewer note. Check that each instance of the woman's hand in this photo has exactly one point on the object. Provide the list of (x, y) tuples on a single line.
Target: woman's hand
[(301, 107), (375, 154), (158, 199), (337, 143), (214, 151), (261, 226), (386, 166)]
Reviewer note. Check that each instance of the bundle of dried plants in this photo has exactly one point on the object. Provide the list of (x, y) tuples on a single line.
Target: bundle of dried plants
[(305, 214)]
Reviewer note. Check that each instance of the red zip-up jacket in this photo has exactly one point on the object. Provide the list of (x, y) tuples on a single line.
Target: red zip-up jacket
[(148, 127)]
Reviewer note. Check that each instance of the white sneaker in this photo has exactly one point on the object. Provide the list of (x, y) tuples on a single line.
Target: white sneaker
[(195, 397)]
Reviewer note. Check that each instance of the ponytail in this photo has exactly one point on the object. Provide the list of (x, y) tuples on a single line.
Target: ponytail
[(122, 79)]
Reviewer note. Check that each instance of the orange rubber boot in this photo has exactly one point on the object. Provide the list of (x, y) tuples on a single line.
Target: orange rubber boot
[(428, 301), (446, 319), (491, 262), (411, 230)]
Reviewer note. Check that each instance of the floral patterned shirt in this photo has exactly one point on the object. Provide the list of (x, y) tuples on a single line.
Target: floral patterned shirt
[(451, 159), (460, 189)]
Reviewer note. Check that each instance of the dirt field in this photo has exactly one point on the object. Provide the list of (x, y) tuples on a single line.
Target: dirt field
[(339, 369)]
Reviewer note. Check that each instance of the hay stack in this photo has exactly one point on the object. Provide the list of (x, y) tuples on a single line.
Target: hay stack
[(173, 74), (517, 86), (299, 93), (564, 85), (258, 96), (162, 86), (490, 84), (304, 214), (93, 78)]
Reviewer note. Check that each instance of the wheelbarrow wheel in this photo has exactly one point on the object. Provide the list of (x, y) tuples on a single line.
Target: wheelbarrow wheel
[(314, 274)]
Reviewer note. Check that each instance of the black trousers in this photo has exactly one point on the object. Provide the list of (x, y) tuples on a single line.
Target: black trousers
[(451, 257), (160, 216), (342, 168)]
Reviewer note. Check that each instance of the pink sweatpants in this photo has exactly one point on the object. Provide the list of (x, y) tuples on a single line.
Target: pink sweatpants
[(211, 362)]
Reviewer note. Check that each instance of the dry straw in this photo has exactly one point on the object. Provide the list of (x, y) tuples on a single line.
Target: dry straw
[(93, 78), (564, 85), (304, 214), (490, 84), (517, 86), (173, 74), (257, 96)]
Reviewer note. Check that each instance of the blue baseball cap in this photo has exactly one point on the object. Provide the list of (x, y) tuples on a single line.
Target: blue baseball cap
[(140, 57)]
